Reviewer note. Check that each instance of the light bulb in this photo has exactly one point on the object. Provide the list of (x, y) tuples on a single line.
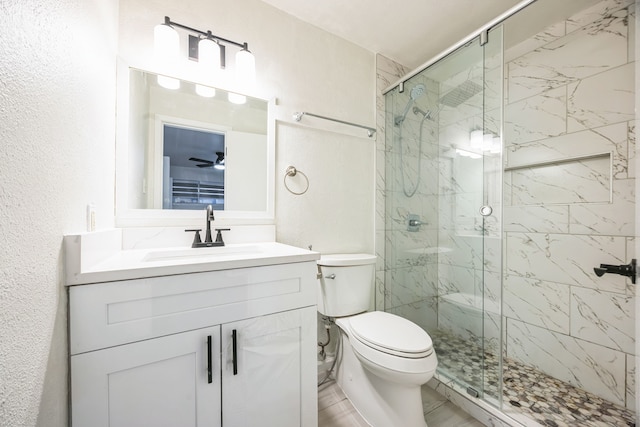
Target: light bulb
[(168, 82), (236, 98), (166, 43), (487, 142), (206, 91), (476, 138), (245, 68), (496, 145), (209, 54)]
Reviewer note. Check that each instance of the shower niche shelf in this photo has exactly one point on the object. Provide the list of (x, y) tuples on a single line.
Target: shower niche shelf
[(558, 161)]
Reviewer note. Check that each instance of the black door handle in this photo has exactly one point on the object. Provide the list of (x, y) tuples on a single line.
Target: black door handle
[(209, 367), (234, 336)]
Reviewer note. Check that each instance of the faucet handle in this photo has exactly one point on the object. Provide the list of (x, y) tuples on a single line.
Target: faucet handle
[(219, 235), (196, 238)]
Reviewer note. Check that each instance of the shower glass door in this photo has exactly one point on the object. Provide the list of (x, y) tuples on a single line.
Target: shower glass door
[(510, 174), (443, 202), (491, 214)]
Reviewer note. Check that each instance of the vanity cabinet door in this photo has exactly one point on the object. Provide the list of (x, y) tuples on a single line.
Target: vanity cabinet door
[(272, 379), (159, 382)]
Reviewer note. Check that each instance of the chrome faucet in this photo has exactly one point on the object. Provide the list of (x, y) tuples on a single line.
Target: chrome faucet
[(208, 240)]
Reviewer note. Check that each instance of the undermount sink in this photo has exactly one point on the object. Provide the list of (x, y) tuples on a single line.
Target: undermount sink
[(199, 253)]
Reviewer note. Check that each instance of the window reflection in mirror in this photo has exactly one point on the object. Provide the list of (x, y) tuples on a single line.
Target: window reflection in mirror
[(176, 138), (193, 168)]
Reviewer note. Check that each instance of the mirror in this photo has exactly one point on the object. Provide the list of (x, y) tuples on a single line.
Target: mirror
[(179, 151)]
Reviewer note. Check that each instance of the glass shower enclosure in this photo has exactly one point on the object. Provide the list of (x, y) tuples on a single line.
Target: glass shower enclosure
[(443, 164), (510, 175)]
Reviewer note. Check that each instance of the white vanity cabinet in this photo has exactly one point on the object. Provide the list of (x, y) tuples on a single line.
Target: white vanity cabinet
[(157, 382), (264, 389), (231, 347)]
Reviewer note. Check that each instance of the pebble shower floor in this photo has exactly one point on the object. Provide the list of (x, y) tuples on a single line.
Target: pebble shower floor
[(546, 400)]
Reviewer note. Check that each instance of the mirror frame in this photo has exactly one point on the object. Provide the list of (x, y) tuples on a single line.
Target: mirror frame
[(126, 217)]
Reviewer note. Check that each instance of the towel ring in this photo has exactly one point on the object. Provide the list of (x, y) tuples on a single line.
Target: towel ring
[(292, 171)]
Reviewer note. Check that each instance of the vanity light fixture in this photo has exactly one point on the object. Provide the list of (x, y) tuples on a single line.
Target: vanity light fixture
[(496, 145), (476, 138), (487, 141), (206, 48), (480, 141), (465, 153)]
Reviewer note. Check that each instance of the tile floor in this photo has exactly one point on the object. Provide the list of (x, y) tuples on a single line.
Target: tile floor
[(334, 410), (526, 391)]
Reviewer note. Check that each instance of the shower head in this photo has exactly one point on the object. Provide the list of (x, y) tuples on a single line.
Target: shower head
[(460, 94), (425, 114), (417, 91)]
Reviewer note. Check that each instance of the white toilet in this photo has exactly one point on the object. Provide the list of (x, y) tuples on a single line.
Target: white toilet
[(385, 358)]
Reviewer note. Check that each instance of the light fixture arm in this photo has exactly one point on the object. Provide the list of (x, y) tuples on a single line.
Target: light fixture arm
[(207, 48), (207, 34)]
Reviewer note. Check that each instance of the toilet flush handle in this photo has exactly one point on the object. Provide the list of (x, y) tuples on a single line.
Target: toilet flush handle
[(330, 276)]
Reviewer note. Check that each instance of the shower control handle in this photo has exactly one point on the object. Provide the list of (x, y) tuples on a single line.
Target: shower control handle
[(413, 222), (628, 270)]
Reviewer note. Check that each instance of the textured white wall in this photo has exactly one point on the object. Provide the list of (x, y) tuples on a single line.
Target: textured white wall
[(57, 100), (57, 103)]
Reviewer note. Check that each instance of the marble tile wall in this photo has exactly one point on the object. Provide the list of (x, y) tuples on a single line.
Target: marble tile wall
[(570, 100)]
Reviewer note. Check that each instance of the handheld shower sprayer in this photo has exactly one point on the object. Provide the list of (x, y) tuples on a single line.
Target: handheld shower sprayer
[(417, 91)]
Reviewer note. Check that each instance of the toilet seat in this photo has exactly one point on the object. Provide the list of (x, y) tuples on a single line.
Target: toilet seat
[(391, 334)]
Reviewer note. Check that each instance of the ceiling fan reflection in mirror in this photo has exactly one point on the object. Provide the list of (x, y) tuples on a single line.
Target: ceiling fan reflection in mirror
[(217, 164)]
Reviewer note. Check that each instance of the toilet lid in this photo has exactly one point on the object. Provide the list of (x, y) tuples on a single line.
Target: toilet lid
[(391, 334)]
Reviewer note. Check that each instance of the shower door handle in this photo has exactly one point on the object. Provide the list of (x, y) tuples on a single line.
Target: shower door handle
[(486, 210)]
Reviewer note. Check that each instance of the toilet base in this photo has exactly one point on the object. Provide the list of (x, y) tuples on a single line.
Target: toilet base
[(381, 403)]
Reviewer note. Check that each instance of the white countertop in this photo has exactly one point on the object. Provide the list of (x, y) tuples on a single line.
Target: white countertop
[(114, 264)]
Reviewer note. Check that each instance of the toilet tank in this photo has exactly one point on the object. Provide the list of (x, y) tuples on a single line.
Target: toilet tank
[(346, 285)]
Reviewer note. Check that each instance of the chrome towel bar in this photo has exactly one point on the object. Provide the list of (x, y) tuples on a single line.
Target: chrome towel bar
[(298, 116)]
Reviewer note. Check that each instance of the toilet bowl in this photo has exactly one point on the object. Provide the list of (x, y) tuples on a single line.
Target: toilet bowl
[(384, 358)]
